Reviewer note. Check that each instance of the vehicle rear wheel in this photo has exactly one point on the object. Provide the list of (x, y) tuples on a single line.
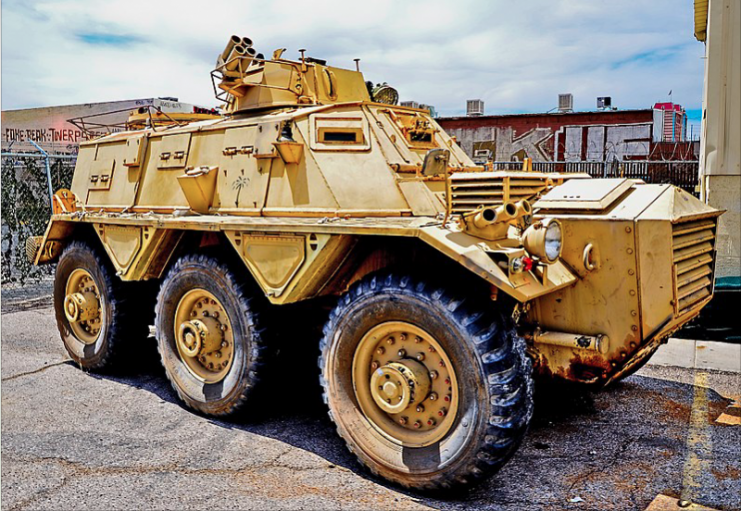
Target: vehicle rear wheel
[(428, 390), (208, 336), (99, 317)]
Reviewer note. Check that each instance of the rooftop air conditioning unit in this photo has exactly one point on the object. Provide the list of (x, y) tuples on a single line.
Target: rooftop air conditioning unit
[(474, 107), (409, 104), (604, 103), (565, 102)]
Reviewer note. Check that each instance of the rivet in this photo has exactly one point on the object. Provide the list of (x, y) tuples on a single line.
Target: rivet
[(613, 364), (632, 345), (631, 272), (633, 313), (630, 250), (628, 229), (623, 354), (632, 292), (634, 328)]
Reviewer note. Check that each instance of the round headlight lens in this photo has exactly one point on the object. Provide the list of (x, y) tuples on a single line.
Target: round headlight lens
[(553, 241)]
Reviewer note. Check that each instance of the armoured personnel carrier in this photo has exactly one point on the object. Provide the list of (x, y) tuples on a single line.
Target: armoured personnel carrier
[(453, 286)]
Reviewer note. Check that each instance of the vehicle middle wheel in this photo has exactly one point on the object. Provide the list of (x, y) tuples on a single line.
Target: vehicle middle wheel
[(430, 389), (207, 335)]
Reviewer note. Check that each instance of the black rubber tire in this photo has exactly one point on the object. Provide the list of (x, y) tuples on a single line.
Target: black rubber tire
[(208, 272), (127, 312), (494, 372)]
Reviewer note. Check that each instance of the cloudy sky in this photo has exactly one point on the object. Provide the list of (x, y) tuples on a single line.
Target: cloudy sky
[(515, 55)]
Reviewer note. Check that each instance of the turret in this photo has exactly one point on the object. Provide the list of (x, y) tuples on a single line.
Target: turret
[(245, 80)]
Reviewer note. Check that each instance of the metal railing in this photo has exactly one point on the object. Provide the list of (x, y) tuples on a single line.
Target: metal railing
[(684, 174), (28, 180)]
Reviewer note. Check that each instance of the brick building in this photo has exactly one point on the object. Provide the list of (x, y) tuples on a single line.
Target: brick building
[(574, 136)]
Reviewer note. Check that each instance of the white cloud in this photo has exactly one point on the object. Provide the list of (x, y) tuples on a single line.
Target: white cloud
[(516, 56)]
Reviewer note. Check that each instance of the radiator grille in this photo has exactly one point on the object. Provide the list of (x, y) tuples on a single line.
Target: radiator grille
[(694, 253), (468, 191)]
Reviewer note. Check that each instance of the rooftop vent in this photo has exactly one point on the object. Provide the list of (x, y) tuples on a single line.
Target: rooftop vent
[(565, 102), (474, 107), (604, 103)]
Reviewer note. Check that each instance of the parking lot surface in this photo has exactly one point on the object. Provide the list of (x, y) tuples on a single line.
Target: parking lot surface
[(72, 440)]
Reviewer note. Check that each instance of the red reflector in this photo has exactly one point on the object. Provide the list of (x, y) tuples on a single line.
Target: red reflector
[(528, 263)]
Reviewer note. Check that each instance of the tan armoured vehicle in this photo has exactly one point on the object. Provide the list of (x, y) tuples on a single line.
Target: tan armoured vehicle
[(453, 285)]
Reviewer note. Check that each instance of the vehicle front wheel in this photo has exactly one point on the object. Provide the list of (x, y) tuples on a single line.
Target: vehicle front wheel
[(430, 389)]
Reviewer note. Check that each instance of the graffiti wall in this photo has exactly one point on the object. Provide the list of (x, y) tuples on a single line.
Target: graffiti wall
[(578, 136), (50, 128)]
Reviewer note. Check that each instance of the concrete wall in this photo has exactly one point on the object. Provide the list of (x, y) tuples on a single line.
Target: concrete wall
[(579, 136), (720, 160)]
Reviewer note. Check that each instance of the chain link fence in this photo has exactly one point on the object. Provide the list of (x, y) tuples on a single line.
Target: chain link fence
[(26, 208)]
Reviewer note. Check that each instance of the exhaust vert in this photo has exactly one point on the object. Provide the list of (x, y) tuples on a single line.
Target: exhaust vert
[(452, 287)]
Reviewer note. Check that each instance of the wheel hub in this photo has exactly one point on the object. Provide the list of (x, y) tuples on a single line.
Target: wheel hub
[(82, 306), (399, 385), (405, 383), (203, 335)]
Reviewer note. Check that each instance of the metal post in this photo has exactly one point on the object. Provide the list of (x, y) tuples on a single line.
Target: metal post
[(48, 174)]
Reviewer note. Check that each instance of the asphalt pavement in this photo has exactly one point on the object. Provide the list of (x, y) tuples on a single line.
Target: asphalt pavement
[(73, 440)]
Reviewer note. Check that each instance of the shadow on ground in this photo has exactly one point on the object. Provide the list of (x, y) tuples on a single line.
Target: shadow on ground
[(615, 449)]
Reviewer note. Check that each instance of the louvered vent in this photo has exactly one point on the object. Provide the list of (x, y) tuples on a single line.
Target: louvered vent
[(694, 253), (468, 191)]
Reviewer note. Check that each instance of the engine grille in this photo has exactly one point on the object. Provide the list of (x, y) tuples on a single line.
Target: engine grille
[(468, 191), (694, 257)]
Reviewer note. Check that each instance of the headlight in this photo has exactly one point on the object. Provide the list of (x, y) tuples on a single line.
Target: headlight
[(544, 240)]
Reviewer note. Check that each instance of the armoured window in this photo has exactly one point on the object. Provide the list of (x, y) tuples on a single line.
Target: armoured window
[(340, 135)]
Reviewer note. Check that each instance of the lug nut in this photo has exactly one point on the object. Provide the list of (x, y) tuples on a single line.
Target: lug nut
[(433, 375), (215, 314), (224, 344), (200, 305), (431, 422), (217, 354), (442, 363), (390, 341), (223, 328), (420, 408), (403, 421), (402, 353), (381, 350), (417, 339), (447, 381), (403, 337), (431, 349), (447, 398), (205, 314), (213, 302), (374, 365), (420, 356), (193, 314), (442, 412), (210, 365), (433, 396), (417, 425)]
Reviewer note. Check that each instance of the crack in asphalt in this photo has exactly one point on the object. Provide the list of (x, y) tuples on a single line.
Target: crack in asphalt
[(36, 371), (614, 459)]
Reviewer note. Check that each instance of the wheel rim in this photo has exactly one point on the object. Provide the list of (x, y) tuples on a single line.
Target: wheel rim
[(204, 336), (82, 306), (405, 384)]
